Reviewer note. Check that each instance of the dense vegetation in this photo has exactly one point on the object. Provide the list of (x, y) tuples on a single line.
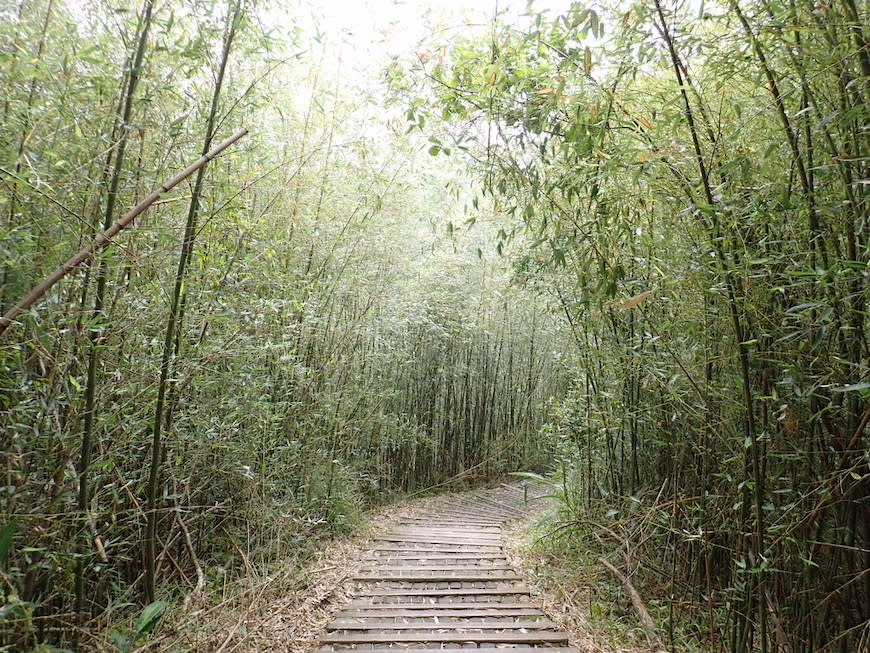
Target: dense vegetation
[(697, 182), (283, 339), (654, 283)]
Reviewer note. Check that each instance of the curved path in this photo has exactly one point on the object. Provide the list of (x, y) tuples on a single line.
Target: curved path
[(441, 581)]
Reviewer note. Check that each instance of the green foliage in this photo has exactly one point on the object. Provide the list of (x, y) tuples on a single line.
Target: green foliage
[(681, 330), (689, 205), (328, 350), (151, 614), (6, 534), (146, 622)]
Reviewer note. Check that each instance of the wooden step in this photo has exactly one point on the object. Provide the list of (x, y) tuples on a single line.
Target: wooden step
[(415, 555), (495, 591), (388, 569), (474, 576), (433, 624), (492, 610), (510, 637), (438, 539), (440, 582), (525, 648)]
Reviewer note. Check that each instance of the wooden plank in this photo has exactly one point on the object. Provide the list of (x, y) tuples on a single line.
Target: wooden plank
[(433, 549), (473, 624), (471, 605), (436, 577), (469, 509), (495, 591), (492, 610), (447, 532), (458, 520), (476, 513), (441, 521), (515, 637), (384, 568), (460, 524), (449, 649), (413, 555), (440, 602), (436, 539), (499, 504), (423, 577), (435, 570), (477, 574), (465, 533), (486, 506)]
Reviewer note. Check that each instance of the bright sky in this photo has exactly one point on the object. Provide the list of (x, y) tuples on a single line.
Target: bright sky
[(369, 31)]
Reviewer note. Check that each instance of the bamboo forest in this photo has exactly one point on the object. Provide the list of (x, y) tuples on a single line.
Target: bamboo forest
[(270, 267)]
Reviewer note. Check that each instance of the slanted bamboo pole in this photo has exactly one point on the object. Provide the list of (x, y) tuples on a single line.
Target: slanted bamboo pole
[(105, 238)]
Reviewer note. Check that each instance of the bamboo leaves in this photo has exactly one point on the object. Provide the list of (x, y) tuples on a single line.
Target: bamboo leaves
[(716, 189), (174, 322)]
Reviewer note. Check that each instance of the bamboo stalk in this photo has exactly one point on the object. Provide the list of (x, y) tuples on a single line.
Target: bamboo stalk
[(106, 237)]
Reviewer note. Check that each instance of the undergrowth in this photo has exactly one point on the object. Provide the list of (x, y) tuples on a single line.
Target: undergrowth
[(567, 553)]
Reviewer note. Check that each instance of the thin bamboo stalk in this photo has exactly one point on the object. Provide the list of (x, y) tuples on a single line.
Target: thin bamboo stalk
[(105, 238)]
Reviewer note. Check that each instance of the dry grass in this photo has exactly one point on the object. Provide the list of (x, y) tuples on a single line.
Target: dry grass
[(563, 604)]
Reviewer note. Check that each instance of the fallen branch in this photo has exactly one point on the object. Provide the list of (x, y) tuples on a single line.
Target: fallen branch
[(105, 238), (200, 576), (648, 624)]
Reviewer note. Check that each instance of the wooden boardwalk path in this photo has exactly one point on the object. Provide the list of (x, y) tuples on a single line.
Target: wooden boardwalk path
[(441, 581)]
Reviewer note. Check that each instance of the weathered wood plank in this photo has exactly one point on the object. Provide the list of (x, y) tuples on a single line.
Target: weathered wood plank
[(417, 555), (514, 637), (433, 538), (476, 514), (447, 532), (390, 568), (458, 521), (423, 577), (473, 536), (498, 504), (445, 548), (448, 649), (492, 610), (433, 624), (436, 539), (459, 524), (495, 591), (441, 582)]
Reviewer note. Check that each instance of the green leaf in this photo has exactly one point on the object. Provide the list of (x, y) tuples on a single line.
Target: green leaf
[(6, 534), (595, 23), (16, 609), (120, 640), (151, 614), (845, 388)]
